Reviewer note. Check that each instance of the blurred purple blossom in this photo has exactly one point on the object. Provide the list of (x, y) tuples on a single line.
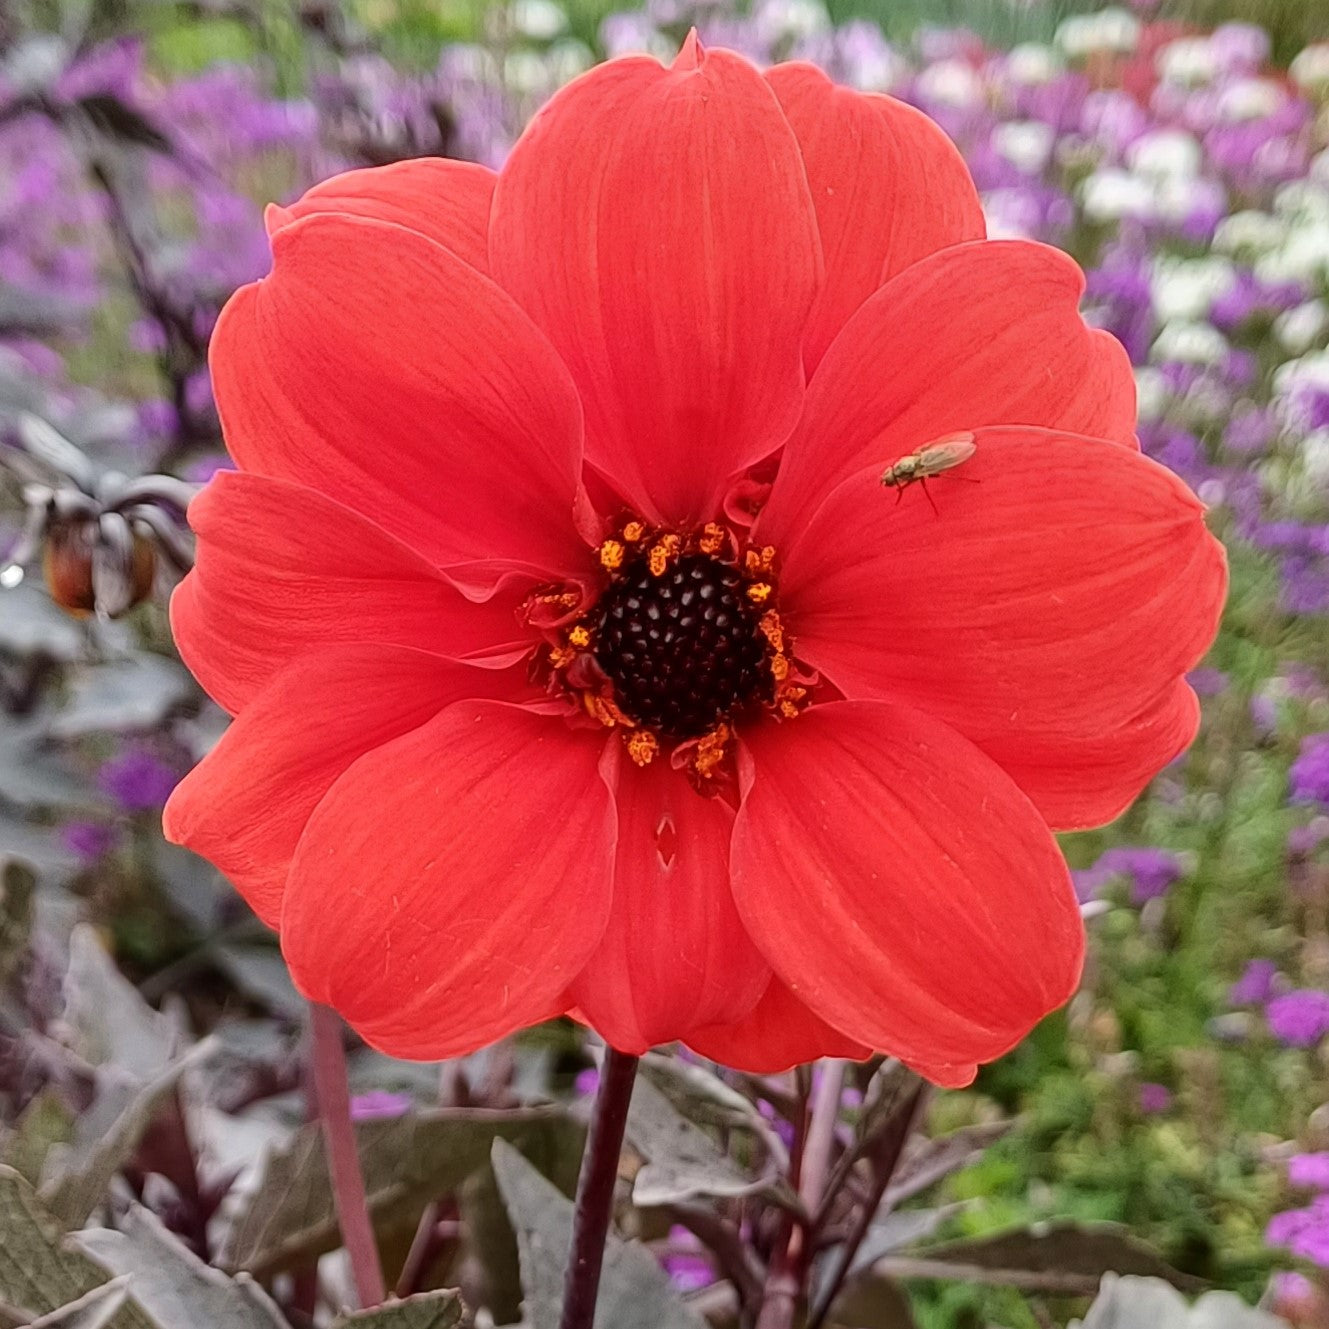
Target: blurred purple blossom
[(1154, 1098), (1309, 775), (686, 1262), (1256, 984), (137, 779), (1309, 1171), (1304, 1232), (1151, 872), (379, 1103), (1300, 1018), (88, 841)]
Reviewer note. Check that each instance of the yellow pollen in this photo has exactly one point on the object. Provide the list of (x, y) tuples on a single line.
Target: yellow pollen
[(710, 751), (662, 552), (611, 555), (634, 531), (772, 630), (643, 747), (712, 538), (561, 656), (604, 710), (579, 637), (779, 668), (788, 699), (759, 592), (759, 561)]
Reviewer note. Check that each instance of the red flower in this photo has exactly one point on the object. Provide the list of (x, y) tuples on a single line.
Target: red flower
[(534, 717)]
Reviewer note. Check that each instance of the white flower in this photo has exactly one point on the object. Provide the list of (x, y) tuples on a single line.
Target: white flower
[(1152, 393), (1306, 371), (1303, 256), (1299, 328), (540, 19), (950, 83), (1249, 232), (777, 20), (1249, 99), (1310, 68), (1026, 144), (1111, 29), (1303, 201), (1112, 194), (1188, 60), (1165, 152), (1190, 343), (1315, 455), (1186, 289), (1032, 63)]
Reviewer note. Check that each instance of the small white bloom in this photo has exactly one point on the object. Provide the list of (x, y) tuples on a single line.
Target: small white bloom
[(1186, 288), (1111, 29), (950, 83), (540, 19), (1165, 152), (1188, 60), (1189, 343), (1152, 393), (1112, 195), (779, 20), (1311, 370), (1026, 144), (1249, 232), (1303, 201), (1303, 256), (1032, 63), (1310, 68), (1315, 455), (1248, 99), (525, 72), (1299, 329)]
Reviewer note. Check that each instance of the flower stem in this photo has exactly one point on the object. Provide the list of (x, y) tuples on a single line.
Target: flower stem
[(595, 1190), (825, 1115), (333, 1095)]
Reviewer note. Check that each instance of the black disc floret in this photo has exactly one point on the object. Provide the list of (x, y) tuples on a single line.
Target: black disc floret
[(683, 649)]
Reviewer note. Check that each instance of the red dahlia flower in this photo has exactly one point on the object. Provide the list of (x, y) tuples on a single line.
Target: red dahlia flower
[(580, 660)]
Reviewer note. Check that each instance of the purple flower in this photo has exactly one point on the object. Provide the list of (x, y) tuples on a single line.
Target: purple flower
[(1309, 776), (138, 780), (1309, 1171), (1155, 1098), (379, 1103), (586, 1082), (1207, 682), (1304, 1232), (1256, 984), (1150, 871), (88, 841), (1299, 1019), (686, 1262)]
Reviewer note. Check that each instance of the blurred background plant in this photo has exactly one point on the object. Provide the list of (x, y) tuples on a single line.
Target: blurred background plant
[(1181, 154)]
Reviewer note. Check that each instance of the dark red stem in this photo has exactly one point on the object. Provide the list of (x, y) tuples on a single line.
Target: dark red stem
[(595, 1190), (348, 1183)]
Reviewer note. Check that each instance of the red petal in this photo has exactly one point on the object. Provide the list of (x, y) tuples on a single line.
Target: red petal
[(779, 1033), (446, 200), (657, 225), (1046, 611), (245, 806), (454, 880), (979, 334), (889, 188), (901, 885), (378, 367), (675, 956), (282, 570)]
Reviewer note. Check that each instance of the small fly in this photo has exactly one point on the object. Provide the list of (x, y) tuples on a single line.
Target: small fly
[(918, 467)]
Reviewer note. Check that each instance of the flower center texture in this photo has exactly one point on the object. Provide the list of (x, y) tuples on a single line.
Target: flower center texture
[(683, 650), (682, 641)]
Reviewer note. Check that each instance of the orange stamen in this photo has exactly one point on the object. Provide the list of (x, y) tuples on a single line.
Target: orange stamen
[(643, 747), (611, 555)]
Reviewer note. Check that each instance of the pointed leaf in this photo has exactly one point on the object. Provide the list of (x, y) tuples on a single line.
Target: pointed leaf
[(634, 1290), (408, 1161), (682, 1161), (171, 1283), (93, 1310), (430, 1310), (38, 1271), (1149, 1303)]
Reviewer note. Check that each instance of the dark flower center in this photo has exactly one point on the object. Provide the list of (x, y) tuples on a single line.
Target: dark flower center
[(683, 650)]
